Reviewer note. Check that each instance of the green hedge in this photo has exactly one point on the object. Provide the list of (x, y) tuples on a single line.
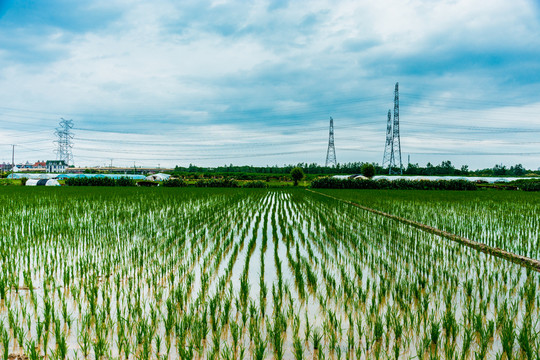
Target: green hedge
[(100, 181), (527, 185), (401, 184), (147, 183), (174, 183), (225, 183), (217, 183), (254, 184)]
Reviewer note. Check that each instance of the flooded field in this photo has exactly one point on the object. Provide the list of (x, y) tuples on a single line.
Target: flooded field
[(264, 274), (505, 219)]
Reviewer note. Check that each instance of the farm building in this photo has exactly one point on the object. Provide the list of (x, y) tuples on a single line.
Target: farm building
[(56, 166)]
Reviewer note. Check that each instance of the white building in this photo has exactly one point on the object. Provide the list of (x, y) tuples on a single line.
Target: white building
[(56, 166)]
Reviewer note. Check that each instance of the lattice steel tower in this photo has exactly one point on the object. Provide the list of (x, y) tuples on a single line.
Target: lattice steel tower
[(63, 132), (396, 143), (388, 145), (392, 147), (331, 153)]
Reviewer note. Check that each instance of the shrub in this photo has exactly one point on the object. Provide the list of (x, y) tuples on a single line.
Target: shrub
[(217, 183), (123, 181), (147, 183), (100, 181), (254, 184), (399, 184), (174, 182), (527, 185)]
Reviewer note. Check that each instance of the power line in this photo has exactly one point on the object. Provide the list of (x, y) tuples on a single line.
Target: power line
[(281, 120)]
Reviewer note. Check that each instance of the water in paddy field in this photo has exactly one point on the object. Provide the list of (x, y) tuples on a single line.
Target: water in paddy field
[(181, 275), (501, 219)]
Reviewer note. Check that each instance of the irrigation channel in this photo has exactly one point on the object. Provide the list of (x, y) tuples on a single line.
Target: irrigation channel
[(247, 273)]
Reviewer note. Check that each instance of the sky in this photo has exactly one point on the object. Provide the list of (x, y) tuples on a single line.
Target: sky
[(166, 83)]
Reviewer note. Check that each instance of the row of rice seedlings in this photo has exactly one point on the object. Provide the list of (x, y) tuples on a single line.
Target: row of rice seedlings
[(500, 219), (92, 302), (422, 283)]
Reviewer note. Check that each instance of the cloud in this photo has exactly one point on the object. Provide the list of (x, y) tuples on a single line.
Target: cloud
[(133, 67)]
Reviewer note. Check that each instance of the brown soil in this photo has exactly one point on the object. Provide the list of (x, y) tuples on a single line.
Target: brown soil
[(17, 357)]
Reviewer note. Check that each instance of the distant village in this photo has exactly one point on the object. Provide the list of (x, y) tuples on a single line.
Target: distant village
[(39, 166), (60, 166)]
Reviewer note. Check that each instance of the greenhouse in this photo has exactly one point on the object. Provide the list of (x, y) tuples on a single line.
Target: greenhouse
[(42, 182)]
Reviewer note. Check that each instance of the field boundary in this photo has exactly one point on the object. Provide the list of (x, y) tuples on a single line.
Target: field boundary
[(500, 253)]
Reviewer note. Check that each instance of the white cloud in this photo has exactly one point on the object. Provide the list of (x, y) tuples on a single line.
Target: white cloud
[(190, 70)]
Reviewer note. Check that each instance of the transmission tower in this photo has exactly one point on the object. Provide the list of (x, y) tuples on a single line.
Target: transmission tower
[(392, 147), (388, 145), (396, 143), (64, 137), (331, 153)]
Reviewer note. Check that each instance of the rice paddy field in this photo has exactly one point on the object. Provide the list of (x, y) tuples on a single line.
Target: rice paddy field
[(194, 273), (509, 220)]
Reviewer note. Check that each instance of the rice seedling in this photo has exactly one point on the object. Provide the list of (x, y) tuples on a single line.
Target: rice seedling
[(298, 349), (435, 332), (5, 343), (508, 338), (316, 337), (32, 352)]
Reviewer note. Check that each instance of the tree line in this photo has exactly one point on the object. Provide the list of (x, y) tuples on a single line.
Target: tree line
[(445, 168)]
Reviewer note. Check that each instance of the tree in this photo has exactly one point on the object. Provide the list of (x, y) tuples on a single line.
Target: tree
[(499, 170), (429, 169), (517, 170), (297, 174), (368, 170), (446, 168), (412, 169)]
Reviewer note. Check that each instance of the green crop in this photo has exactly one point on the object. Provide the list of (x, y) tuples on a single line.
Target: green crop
[(179, 272)]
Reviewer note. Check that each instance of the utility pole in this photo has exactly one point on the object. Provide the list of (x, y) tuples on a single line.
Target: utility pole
[(12, 161)]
